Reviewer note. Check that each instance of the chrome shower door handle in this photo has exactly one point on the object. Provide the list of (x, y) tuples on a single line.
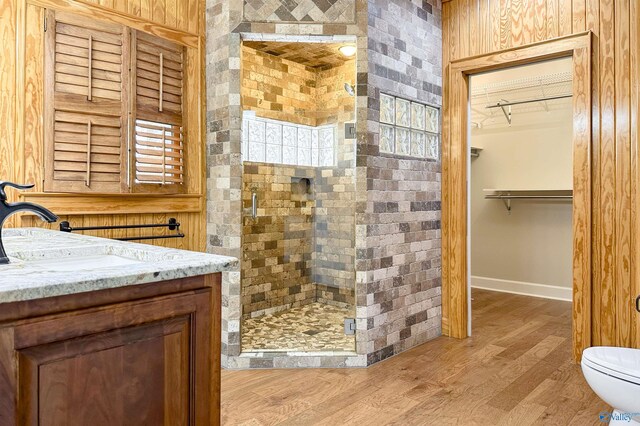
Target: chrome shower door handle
[(254, 205)]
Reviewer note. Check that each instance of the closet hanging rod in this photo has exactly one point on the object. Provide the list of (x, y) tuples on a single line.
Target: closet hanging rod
[(527, 101)]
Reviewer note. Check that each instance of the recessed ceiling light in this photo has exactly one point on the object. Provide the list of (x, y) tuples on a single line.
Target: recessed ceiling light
[(348, 50)]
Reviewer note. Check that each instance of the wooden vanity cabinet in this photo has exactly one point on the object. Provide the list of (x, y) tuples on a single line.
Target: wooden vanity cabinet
[(137, 355)]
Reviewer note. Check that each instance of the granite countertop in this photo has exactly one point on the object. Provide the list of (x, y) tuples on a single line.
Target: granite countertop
[(48, 263)]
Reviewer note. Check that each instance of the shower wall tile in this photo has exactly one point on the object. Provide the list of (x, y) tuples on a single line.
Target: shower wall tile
[(278, 245), (277, 88)]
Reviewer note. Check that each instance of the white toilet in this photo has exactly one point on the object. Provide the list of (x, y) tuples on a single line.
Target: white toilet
[(614, 375)]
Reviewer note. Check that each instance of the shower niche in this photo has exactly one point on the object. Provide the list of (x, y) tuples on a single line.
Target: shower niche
[(298, 197)]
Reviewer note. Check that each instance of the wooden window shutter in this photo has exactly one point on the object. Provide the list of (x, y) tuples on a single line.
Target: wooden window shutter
[(157, 135), (86, 104)]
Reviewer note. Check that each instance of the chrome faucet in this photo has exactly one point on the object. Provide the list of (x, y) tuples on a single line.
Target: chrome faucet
[(7, 209)]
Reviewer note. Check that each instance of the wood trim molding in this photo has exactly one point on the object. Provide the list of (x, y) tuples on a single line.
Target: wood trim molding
[(99, 204), (92, 10), (454, 178)]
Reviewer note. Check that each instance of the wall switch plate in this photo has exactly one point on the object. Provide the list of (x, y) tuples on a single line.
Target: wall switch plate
[(350, 130)]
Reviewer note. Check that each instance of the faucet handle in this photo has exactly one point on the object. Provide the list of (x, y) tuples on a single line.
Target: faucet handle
[(3, 184)]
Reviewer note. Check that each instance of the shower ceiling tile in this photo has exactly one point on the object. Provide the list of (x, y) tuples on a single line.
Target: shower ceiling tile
[(313, 55)]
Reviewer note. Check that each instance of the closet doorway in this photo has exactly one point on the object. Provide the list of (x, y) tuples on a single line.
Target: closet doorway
[(456, 164), (520, 192)]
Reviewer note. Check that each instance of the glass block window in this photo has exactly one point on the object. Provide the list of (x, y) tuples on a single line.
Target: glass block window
[(279, 142), (409, 128)]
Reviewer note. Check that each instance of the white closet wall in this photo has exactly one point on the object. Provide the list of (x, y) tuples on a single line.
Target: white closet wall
[(528, 250)]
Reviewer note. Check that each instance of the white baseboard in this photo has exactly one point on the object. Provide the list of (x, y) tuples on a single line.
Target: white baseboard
[(527, 289)]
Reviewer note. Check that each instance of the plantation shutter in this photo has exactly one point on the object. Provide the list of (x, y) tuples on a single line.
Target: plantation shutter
[(86, 100), (158, 136)]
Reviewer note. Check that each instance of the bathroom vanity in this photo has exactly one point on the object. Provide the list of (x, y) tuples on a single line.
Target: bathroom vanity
[(96, 331)]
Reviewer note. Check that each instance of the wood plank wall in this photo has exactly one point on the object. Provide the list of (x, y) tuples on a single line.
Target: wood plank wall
[(474, 27), (21, 114)]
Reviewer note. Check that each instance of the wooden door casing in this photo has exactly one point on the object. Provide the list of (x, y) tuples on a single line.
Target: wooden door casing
[(454, 178)]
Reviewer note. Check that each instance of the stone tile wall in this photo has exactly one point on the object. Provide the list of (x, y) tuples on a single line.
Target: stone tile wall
[(277, 245), (278, 88), (335, 193), (399, 215)]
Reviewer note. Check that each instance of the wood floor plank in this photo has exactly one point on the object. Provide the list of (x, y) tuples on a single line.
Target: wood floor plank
[(515, 370)]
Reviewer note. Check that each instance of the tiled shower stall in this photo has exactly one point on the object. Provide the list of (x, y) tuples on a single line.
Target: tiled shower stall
[(327, 226)]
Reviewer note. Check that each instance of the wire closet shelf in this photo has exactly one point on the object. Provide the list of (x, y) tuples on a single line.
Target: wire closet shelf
[(504, 98)]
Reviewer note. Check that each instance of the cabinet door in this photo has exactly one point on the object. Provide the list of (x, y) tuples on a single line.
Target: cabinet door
[(143, 363)]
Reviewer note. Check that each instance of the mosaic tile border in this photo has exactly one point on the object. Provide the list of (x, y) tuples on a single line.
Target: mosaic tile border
[(300, 11)]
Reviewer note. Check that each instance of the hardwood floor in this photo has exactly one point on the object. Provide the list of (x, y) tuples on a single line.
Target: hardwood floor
[(515, 370)]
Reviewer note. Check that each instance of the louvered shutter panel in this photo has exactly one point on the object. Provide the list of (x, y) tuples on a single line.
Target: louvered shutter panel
[(158, 152), (86, 70)]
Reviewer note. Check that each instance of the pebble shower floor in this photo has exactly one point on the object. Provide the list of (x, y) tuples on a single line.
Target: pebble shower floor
[(310, 328)]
